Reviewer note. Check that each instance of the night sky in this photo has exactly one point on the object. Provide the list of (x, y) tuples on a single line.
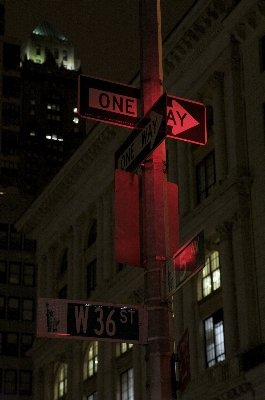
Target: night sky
[(104, 33)]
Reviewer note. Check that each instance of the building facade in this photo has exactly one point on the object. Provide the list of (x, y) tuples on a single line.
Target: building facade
[(39, 130), (214, 55)]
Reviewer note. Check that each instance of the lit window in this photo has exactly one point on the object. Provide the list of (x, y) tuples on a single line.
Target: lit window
[(214, 338), (76, 120), (75, 110), (28, 310), (48, 137), (49, 106), (91, 360), (123, 348), (32, 133), (127, 385), (211, 275), (61, 382), (205, 174)]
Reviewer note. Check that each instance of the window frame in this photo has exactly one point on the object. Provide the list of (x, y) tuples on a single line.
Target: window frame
[(211, 342)]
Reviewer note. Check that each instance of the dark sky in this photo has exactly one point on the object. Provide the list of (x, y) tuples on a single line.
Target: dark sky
[(104, 33)]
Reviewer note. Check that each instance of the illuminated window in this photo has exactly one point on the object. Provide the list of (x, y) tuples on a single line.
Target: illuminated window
[(91, 360), (75, 110), (214, 338), (211, 275), (122, 348), (76, 120), (126, 384), (61, 383), (205, 177)]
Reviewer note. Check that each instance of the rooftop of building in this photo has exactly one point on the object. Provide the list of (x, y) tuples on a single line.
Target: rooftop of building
[(46, 29)]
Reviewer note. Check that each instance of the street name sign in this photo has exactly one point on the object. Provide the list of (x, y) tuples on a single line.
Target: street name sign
[(147, 135), (70, 319), (187, 261), (186, 120), (107, 101)]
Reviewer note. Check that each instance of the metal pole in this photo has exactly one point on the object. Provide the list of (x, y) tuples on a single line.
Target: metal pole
[(155, 224)]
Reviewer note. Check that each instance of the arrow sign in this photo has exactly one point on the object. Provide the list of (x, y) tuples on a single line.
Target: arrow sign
[(107, 101), (186, 120), (147, 135)]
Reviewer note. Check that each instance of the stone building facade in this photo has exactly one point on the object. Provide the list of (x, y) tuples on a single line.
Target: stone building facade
[(215, 55)]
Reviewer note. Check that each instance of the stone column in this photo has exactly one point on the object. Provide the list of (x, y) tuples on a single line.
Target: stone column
[(228, 289), (219, 127)]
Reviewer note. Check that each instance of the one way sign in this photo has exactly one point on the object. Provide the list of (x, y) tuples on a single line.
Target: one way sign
[(147, 135), (186, 120)]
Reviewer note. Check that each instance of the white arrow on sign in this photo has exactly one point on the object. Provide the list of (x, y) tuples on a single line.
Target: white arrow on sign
[(179, 118), (147, 135)]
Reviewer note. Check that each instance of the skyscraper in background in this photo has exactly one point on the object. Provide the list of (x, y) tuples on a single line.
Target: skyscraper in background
[(39, 130)]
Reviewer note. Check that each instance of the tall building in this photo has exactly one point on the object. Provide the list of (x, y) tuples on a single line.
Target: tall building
[(214, 55), (39, 130)]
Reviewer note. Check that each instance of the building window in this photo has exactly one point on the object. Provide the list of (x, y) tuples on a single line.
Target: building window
[(10, 381), (61, 383), (92, 237), (3, 236), (3, 270), (25, 343), (91, 277), (262, 53), (65, 55), (38, 50), (211, 275), (28, 278), (13, 308), (28, 310), (93, 396), (14, 273), (127, 385), (214, 338), (56, 53), (205, 177), (91, 360), (2, 307), (122, 348), (64, 262), (63, 293), (25, 382)]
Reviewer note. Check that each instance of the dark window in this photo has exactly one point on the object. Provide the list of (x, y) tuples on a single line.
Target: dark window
[(3, 236), (13, 308), (10, 381), (28, 310), (63, 293), (205, 174), (91, 277), (15, 239), (11, 86), (209, 120), (38, 50), (9, 173), (262, 53), (9, 143), (214, 338), (26, 343), (25, 382), (2, 307), (28, 278), (3, 270), (11, 56), (65, 55), (10, 114), (64, 262), (92, 237), (56, 53), (29, 245), (9, 344), (14, 273)]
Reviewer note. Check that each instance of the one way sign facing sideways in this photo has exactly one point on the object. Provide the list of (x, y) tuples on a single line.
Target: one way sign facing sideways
[(147, 135), (186, 120)]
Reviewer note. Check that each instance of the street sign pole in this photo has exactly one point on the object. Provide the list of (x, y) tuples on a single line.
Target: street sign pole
[(155, 224)]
